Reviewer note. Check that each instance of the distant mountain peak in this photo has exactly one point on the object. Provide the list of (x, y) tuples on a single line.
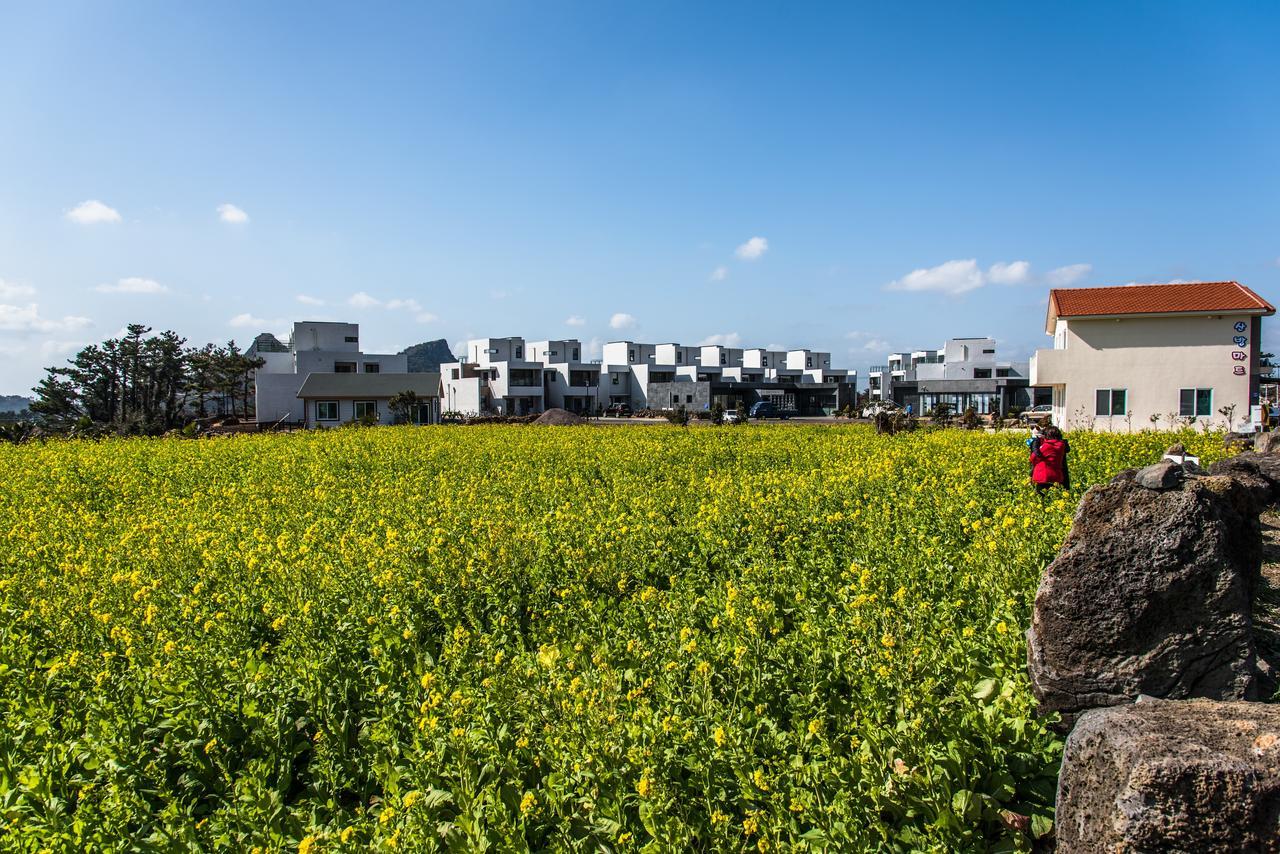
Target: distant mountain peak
[(428, 356)]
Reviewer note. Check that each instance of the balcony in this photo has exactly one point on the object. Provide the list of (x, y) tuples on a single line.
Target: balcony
[(1049, 367), (879, 369)]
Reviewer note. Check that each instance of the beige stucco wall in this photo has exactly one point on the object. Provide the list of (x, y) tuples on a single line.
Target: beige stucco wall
[(1153, 359)]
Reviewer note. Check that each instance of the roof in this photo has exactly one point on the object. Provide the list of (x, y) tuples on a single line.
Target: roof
[(1179, 298), (369, 385)]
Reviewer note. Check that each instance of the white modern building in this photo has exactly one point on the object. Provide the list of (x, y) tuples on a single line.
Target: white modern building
[(640, 375), (1143, 356), (314, 347), (963, 373)]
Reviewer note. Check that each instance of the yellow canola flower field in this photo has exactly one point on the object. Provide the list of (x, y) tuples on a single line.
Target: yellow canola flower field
[(529, 638)]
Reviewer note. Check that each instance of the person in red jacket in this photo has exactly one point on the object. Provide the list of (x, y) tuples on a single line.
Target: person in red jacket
[(1049, 460)]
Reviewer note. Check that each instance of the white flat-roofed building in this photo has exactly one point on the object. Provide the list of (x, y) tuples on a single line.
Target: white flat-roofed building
[(964, 373), (315, 347), (499, 375)]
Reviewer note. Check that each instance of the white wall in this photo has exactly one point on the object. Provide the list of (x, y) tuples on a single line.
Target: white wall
[(1152, 359)]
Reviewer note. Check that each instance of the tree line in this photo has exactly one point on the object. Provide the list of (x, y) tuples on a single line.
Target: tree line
[(145, 383)]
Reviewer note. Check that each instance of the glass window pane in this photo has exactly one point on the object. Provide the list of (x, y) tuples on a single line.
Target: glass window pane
[(1204, 401), (1119, 402), (1103, 406), (1186, 401)]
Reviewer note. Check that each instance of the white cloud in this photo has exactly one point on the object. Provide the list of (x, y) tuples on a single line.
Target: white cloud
[(248, 321), (1068, 275), (361, 299), (61, 348), (409, 305), (232, 214), (93, 212), (27, 319), (575, 320), (403, 305), (752, 249), (866, 341), (621, 320), (595, 348), (308, 300), (133, 285), (719, 274), (952, 277), (723, 339), (1014, 273), (13, 290)]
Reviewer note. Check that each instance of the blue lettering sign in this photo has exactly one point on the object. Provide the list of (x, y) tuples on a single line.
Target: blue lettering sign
[(1241, 326), (1240, 340)]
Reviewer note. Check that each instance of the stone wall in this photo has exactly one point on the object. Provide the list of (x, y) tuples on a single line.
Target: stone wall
[(1142, 640)]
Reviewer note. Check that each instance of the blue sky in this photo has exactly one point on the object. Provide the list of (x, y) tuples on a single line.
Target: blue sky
[(600, 170)]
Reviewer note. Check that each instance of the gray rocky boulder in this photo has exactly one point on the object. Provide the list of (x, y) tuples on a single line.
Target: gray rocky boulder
[(1258, 473), (1150, 594), (1158, 775), (1165, 474), (1267, 443)]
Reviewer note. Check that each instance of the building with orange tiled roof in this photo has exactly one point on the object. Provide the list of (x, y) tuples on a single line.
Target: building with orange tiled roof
[(1137, 356)]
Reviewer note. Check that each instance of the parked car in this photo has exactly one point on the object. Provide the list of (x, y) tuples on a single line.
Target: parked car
[(731, 416), (618, 410), (765, 409), (874, 409), (1037, 413)]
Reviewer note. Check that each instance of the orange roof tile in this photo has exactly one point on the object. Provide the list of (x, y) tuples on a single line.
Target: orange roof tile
[(1183, 298)]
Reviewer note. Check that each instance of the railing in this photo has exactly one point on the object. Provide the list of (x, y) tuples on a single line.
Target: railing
[(878, 369)]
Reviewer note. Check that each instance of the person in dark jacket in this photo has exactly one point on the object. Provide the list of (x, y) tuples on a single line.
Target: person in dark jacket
[(1049, 460)]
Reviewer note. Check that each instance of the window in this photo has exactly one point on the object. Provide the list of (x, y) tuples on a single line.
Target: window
[(631, 355), (982, 373), (519, 352), (808, 361), (326, 410), (613, 378), (1111, 401), (351, 339), (575, 354), (454, 372), (372, 367), (688, 398), (344, 367), (724, 358), (764, 361), (552, 353), (989, 352), (675, 398), (361, 408), (1002, 372), (1195, 402)]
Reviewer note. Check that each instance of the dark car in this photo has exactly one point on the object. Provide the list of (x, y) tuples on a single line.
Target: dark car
[(765, 409), (618, 410)]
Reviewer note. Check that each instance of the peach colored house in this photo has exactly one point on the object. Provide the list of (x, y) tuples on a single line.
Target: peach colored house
[(1138, 356)]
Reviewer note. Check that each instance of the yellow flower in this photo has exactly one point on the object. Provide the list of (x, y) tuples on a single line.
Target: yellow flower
[(528, 802), (719, 736), (307, 844)]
